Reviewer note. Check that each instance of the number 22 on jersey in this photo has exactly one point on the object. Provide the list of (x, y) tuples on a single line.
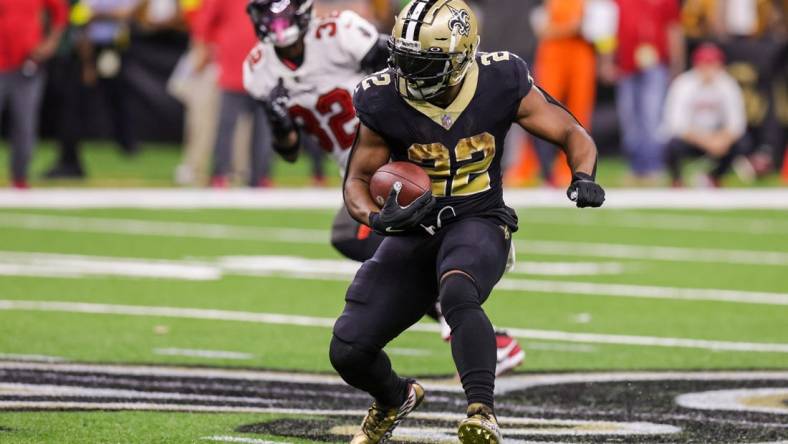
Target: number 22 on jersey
[(461, 172)]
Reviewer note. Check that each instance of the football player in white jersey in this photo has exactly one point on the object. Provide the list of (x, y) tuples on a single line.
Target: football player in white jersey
[(304, 71)]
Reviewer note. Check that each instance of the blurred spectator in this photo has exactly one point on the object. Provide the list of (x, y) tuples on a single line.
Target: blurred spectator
[(719, 19), (66, 81), (103, 49), (704, 115), (650, 49), (24, 46), (222, 28), (195, 83), (565, 68)]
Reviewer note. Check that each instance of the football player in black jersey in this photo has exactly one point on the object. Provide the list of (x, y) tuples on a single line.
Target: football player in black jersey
[(447, 109)]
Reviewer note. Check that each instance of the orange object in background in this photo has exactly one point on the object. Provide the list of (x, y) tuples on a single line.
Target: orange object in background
[(526, 171), (565, 67)]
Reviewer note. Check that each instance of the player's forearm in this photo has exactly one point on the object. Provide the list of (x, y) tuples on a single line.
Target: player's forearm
[(580, 150), (358, 201)]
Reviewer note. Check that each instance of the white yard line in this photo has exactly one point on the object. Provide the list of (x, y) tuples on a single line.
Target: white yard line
[(135, 227), (555, 346), (312, 321), (160, 228), (642, 291), (198, 353), (652, 252), (61, 265), (72, 265), (32, 358), (776, 198), (671, 222)]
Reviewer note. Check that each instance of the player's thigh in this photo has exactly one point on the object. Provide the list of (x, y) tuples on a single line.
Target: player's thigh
[(390, 292), (478, 247)]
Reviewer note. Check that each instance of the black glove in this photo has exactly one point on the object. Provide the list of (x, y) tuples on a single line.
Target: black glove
[(394, 219), (585, 191), (277, 111)]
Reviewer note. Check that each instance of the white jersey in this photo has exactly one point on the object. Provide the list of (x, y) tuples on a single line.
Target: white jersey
[(321, 89)]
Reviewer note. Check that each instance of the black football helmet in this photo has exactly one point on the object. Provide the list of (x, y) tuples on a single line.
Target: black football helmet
[(280, 22)]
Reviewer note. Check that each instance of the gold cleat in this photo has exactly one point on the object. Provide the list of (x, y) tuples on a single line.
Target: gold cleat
[(380, 423), (480, 427)]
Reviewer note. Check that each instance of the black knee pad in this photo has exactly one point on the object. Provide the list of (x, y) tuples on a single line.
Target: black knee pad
[(458, 292), (345, 357)]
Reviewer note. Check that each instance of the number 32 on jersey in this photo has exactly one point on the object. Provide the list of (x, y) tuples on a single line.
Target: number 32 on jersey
[(337, 107), (461, 172)]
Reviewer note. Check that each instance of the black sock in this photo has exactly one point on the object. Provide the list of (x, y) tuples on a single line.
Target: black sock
[(473, 338)]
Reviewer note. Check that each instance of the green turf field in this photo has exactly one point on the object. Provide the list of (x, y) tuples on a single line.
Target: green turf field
[(106, 166), (607, 290), (62, 333)]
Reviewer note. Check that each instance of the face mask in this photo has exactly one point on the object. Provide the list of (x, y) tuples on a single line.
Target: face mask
[(283, 32)]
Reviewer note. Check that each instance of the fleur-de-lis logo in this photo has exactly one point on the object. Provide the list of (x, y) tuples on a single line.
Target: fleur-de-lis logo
[(460, 21)]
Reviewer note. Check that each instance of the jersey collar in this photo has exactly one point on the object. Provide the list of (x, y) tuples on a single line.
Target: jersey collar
[(446, 117)]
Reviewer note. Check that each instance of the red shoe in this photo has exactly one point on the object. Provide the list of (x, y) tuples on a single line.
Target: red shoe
[(20, 184), (220, 182), (510, 354), (265, 182)]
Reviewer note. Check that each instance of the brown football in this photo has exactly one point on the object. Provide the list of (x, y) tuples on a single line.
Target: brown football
[(414, 180)]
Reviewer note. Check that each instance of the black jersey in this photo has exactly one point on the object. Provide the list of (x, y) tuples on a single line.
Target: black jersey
[(460, 147)]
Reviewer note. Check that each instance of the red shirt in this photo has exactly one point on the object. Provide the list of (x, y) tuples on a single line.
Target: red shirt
[(225, 25), (644, 23), (21, 28)]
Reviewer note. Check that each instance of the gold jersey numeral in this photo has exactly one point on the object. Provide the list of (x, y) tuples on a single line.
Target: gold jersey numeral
[(376, 80), (490, 57), (466, 173)]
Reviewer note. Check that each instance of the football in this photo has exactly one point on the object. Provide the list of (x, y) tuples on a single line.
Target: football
[(414, 180)]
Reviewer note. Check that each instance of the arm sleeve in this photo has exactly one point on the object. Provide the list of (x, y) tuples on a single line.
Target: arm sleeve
[(356, 36), (58, 12), (364, 103), (254, 82), (524, 81), (736, 120)]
